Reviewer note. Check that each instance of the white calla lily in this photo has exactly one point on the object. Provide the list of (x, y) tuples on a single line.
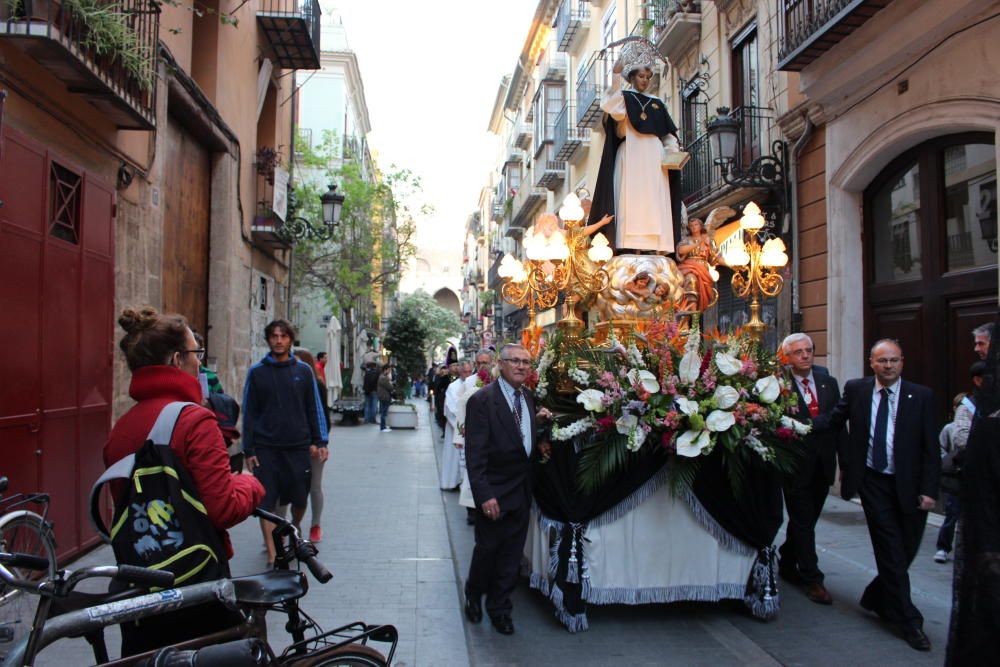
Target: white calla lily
[(687, 406), (591, 400), (626, 423), (719, 421), (691, 443), (726, 396), (690, 367), (768, 389), (727, 363), (645, 379)]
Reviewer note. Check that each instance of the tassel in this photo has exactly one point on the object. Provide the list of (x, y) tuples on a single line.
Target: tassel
[(572, 566), (762, 590)]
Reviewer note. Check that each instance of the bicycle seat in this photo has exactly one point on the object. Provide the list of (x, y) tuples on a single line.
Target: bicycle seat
[(269, 588)]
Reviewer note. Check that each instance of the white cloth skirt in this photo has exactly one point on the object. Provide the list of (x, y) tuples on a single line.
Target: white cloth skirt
[(451, 476)]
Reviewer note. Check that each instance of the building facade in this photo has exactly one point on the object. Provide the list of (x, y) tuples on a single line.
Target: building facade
[(147, 173)]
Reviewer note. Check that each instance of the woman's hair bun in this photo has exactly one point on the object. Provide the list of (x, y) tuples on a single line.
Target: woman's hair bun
[(134, 321)]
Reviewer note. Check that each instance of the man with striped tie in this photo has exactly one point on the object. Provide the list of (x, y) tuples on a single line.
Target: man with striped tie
[(806, 489)]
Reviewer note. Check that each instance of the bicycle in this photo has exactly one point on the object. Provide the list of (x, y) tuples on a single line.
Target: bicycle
[(23, 531), (243, 645)]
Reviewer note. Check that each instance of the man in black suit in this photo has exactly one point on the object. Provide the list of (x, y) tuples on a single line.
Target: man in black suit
[(806, 490), (499, 436), (892, 461)]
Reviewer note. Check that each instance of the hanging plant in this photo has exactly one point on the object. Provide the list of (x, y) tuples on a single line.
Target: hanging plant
[(266, 160)]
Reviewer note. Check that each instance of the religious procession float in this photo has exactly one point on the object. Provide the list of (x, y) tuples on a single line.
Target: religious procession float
[(668, 441)]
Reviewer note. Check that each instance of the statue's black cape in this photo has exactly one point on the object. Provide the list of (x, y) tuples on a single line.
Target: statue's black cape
[(657, 122)]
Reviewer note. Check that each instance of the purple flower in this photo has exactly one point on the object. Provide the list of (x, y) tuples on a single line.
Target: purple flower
[(638, 407)]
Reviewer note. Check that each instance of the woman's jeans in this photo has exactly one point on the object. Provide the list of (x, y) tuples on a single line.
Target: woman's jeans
[(383, 410)]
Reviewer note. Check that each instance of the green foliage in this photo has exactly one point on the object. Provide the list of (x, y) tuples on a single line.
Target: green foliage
[(405, 337), (374, 239), (110, 33), (439, 322), (602, 458)]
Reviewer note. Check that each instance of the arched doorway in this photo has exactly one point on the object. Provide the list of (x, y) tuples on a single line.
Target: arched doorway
[(930, 256), (446, 298)]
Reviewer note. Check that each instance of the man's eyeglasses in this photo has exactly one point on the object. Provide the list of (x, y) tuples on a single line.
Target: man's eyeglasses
[(518, 362), (199, 352)]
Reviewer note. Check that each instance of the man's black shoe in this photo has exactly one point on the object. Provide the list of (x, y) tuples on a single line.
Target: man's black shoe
[(473, 608), (916, 638), (503, 624)]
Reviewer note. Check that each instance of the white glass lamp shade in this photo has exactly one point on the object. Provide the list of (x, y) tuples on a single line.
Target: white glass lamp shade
[(712, 271), (571, 210), (508, 266), (773, 253), (752, 220), (600, 251), (736, 253)]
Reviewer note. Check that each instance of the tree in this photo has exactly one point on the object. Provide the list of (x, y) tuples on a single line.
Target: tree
[(439, 322), (405, 338)]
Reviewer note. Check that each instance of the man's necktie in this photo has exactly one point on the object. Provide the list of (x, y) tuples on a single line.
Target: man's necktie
[(880, 459), (811, 401), (518, 415)]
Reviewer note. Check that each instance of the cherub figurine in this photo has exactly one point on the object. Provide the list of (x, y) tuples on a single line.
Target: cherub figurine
[(697, 256)]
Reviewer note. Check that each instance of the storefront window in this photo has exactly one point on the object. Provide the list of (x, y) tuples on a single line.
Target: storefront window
[(970, 181), (896, 214)]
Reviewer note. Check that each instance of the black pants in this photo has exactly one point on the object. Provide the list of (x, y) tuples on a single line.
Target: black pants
[(895, 539), (496, 559), (804, 504)]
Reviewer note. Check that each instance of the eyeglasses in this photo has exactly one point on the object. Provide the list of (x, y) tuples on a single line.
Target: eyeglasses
[(199, 352), (518, 362)]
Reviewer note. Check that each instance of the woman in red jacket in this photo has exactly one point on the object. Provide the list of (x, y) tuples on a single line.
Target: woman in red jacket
[(164, 359)]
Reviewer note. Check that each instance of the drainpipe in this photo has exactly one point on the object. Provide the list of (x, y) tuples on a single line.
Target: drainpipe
[(797, 149)]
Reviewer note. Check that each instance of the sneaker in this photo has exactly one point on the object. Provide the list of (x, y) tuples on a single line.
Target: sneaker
[(941, 556), (315, 534), (387, 430)]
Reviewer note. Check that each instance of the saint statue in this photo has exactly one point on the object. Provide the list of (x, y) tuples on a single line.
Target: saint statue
[(631, 184)]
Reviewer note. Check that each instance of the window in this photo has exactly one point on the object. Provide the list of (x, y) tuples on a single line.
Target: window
[(970, 215), (64, 203), (746, 92), (694, 110), (896, 208), (608, 25), (546, 106)]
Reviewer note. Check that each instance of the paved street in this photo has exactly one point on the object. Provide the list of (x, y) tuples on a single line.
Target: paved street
[(387, 542)]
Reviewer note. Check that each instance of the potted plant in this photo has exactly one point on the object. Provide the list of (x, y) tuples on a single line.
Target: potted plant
[(401, 414)]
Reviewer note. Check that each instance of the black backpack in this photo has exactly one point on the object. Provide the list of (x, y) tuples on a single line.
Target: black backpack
[(159, 520)]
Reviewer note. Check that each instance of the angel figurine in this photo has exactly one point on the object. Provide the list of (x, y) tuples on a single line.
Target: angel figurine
[(697, 255)]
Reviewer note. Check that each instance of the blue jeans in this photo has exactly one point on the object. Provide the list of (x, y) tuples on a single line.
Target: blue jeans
[(383, 410), (946, 536), (371, 407)]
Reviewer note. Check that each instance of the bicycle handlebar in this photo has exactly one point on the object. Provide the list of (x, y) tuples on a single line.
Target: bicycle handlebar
[(27, 561), (305, 551), (141, 576)]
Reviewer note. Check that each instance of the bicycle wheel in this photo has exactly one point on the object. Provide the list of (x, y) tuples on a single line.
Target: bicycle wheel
[(352, 655), (25, 533)]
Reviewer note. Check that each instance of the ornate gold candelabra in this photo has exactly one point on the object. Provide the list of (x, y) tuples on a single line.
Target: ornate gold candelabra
[(755, 266), (558, 261)]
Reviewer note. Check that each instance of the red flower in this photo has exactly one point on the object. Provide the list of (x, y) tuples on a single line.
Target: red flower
[(785, 434), (605, 423), (667, 441)]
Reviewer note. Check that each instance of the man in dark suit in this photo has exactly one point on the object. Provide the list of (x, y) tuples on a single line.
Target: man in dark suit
[(892, 461), (806, 490), (499, 436)]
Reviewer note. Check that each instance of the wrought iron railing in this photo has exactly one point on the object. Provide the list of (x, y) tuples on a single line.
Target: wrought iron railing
[(700, 176), (800, 20), (281, 23), (661, 11), (568, 138), (588, 93), (570, 20), (125, 61)]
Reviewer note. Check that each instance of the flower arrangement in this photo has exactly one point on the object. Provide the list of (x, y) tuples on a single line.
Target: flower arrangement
[(687, 393)]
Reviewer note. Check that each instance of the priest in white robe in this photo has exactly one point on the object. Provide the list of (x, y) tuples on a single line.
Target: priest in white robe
[(451, 472)]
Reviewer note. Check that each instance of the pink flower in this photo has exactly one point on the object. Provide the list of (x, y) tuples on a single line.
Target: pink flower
[(605, 423), (785, 434), (667, 441)]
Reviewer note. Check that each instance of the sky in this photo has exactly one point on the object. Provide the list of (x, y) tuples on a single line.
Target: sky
[(431, 71)]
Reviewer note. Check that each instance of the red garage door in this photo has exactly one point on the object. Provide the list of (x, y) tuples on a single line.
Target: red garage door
[(57, 291)]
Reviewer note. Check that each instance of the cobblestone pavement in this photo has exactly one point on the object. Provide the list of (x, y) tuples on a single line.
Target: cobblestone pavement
[(399, 549)]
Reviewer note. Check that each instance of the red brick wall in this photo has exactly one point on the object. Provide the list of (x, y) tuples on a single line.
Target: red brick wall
[(811, 202)]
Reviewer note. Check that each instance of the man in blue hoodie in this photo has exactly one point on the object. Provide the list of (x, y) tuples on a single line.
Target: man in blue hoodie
[(283, 426)]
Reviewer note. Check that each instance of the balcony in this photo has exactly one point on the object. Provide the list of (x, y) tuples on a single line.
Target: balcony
[(809, 28), (266, 231), (553, 65), (525, 204), (523, 134), (701, 179), (572, 23), (549, 174), (569, 139), (676, 24), (292, 28), (116, 74), (588, 92)]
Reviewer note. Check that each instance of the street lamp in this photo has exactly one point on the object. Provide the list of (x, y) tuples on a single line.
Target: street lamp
[(755, 266), (298, 228)]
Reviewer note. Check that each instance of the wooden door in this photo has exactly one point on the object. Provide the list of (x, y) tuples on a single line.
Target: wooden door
[(57, 280), (187, 196), (930, 264)]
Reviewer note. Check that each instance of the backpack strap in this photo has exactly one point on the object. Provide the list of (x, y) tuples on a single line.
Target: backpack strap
[(160, 434)]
